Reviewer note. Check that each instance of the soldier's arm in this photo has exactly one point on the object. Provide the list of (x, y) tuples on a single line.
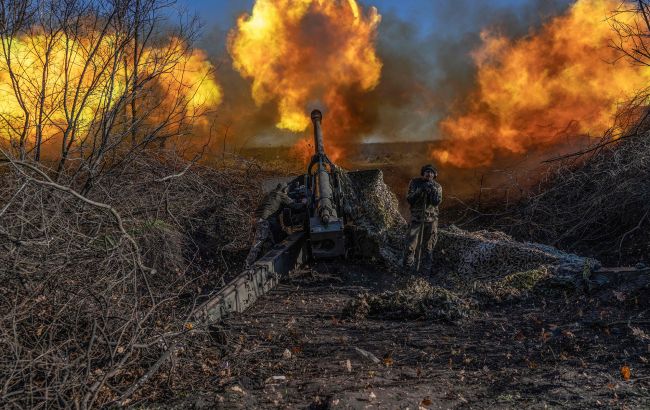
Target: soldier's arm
[(435, 197), (413, 193), (293, 204), (286, 200)]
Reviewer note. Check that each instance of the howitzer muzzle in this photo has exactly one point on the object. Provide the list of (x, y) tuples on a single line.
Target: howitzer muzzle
[(316, 115)]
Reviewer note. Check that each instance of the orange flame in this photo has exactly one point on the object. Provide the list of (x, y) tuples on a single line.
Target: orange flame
[(299, 53), (192, 77), (50, 72), (532, 89), (303, 150)]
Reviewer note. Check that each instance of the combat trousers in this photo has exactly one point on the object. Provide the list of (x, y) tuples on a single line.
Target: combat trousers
[(429, 231), (262, 232)]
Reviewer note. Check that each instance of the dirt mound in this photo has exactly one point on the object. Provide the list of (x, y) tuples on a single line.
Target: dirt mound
[(210, 207)]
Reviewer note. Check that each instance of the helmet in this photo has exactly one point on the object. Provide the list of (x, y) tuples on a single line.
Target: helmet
[(429, 167)]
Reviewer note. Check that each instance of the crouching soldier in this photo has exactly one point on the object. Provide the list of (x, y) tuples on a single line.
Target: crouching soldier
[(267, 216), (424, 196)]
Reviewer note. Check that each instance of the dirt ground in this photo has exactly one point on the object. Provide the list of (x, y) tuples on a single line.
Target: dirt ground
[(296, 349)]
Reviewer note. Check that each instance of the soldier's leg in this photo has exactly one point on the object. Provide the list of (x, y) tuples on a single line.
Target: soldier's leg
[(411, 244), (275, 229), (428, 242), (434, 234), (262, 231)]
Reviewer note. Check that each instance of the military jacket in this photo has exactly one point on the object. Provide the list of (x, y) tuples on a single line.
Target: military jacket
[(272, 204), (424, 197)]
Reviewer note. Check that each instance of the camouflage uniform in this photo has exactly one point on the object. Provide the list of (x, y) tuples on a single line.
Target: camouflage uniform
[(267, 214), (423, 197)]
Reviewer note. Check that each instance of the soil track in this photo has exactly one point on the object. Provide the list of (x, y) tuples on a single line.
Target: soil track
[(294, 349)]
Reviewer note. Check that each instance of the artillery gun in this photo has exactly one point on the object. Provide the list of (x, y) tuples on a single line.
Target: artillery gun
[(322, 229)]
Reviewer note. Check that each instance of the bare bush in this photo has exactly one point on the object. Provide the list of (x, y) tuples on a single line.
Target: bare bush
[(601, 207), (85, 318), (90, 84), (108, 242), (78, 309)]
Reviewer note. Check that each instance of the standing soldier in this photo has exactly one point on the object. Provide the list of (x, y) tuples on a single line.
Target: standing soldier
[(267, 215), (424, 196)]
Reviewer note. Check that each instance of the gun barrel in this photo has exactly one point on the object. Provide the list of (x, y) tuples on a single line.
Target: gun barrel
[(316, 118), (323, 184)]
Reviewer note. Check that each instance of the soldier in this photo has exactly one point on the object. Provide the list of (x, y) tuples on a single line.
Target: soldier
[(267, 215), (424, 196)]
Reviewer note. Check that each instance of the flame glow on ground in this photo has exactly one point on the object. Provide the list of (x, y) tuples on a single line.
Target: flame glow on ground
[(72, 78), (301, 54), (530, 90)]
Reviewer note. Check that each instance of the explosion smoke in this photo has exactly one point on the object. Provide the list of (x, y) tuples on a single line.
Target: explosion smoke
[(532, 92), (308, 52)]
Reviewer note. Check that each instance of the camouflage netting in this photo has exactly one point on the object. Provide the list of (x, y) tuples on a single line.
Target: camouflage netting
[(509, 288), (453, 299), (375, 210), (470, 269), (381, 229), (496, 254)]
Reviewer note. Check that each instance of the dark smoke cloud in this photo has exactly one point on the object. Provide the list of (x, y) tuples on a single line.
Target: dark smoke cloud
[(423, 75), (246, 124)]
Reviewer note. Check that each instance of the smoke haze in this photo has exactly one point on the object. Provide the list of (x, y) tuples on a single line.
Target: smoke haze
[(424, 75)]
